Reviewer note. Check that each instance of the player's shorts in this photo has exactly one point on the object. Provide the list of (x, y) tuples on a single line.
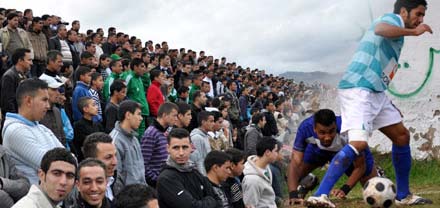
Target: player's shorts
[(366, 111), (318, 157)]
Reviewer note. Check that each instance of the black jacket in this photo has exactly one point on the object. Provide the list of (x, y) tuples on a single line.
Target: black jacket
[(54, 43), (185, 190), (83, 128), (270, 129), (9, 84)]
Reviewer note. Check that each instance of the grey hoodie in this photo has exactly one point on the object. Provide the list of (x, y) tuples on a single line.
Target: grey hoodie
[(257, 187), (200, 140)]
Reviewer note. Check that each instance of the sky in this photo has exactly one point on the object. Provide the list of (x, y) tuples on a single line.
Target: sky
[(277, 36)]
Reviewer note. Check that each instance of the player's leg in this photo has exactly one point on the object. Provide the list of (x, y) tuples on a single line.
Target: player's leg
[(389, 122)]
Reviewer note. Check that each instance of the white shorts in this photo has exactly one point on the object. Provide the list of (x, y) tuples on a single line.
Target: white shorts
[(363, 111)]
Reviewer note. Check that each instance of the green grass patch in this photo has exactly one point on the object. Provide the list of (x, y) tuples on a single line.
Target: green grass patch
[(424, 181)]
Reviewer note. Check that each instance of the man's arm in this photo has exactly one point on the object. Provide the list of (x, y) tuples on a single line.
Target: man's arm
[(8, 95), (294, 167), (390, 31), (173, 193)]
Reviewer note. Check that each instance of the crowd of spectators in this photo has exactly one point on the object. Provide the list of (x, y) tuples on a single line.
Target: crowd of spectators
[(127, 105)]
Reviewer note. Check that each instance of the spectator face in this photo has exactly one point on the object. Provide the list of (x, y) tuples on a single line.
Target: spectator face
[(325, 134), (25, 63), (56, 65), (62, 32), (91, 48), (38, 26), (262, 122), (86, 78), (140, 70), (73, 36), (135, 119), (91, 108), (13, 23), (161, 78), (272, 155), (237, 169), (117, 68), (76, 26), (106, 62), (106, 152), (97, 39), (233, 86), (39, 105), (218, 124), (185, 119), (225, 112), (58, 181), (224, 171), (179, 150), (187, 68), (122, 94), (202, 98), (53, 95), (206, 88), (208, 125), (92, 184), (171, 119)]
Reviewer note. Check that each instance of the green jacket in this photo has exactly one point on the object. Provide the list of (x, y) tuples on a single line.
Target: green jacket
[(136, 91), (108, 82)]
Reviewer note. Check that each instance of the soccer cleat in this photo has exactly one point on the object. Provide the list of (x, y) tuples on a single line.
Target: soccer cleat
[(308, 183), (412, 200), (319, 202)]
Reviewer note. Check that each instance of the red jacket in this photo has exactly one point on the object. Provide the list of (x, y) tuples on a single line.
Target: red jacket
[(155, 97)]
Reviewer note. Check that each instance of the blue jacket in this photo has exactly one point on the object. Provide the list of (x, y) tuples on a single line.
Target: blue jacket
[(81, 90)]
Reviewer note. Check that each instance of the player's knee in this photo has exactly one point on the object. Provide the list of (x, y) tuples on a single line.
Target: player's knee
[(359, 145), (402, 138)]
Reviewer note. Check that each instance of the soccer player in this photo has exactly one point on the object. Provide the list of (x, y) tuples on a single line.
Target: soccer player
[(364, 104)]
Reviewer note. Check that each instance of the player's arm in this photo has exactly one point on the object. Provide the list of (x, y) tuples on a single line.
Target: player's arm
[(390, 31), (293, 175), (358, 171)]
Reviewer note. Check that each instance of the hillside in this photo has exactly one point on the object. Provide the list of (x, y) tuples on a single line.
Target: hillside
[(316, 76)]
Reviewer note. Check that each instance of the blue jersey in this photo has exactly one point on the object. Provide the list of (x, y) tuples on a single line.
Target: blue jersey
[(375, 61), (306, 135)]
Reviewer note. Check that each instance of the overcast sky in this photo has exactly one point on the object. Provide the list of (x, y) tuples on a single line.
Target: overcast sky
[(278, 36)]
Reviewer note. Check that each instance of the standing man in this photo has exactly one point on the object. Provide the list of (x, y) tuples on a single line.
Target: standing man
[(40, 46), (364, 104), (22, 61), (14, 37), (57, 177)]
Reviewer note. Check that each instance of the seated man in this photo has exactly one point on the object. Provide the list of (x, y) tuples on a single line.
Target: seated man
[(136, 196), (91, 184), (13, 185), (57, 177), (180, 184), (317, 142)]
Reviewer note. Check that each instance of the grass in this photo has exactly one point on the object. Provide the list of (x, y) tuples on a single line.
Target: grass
[(424, 181)]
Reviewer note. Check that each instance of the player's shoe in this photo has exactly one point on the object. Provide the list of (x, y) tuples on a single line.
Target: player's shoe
[(319, 202), (413, 200), (308, 183)]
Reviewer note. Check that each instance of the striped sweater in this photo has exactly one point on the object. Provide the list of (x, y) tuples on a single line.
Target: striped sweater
[(154, 151), (27, 142)]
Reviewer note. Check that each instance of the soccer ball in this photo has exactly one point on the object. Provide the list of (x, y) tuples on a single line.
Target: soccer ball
[(379, 192)]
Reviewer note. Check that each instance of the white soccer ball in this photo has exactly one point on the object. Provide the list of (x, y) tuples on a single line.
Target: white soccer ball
[(379, 192)]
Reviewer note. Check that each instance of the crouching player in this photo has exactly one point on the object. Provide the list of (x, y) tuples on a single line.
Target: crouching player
[(317, 142)]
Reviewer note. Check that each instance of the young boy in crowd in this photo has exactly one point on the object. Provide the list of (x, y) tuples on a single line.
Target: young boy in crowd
[(83, 76), (232, 185), (85, 125), (257, 181), (218, 169), (130, 160), (118, 92), (116, 68), (96, 84)]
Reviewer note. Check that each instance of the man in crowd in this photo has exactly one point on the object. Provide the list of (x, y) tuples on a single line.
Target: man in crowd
[(100, 146), (25, 138), (218, 169), (196, 107), (200, 140), (180, 184), (254, 134), (14, 37), (57, 177), (40, 46), (154, 143), (130, 161)]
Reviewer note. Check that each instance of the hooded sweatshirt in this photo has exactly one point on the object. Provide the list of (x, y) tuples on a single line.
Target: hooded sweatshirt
[(257, 185), (200, 140)]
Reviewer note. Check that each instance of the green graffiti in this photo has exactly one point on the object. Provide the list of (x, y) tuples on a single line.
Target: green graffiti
[(428, 75)]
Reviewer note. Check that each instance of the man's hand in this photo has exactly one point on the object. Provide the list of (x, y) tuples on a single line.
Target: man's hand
[(338, 193), (422, 28), (294, 201)]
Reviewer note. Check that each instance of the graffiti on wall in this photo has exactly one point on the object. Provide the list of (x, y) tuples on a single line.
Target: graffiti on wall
[(428, 75)]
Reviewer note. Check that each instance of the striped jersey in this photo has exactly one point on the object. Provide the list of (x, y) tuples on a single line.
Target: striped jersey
[(375, 61)]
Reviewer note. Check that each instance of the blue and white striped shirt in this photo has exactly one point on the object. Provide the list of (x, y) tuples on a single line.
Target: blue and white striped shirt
[(374, 54)]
